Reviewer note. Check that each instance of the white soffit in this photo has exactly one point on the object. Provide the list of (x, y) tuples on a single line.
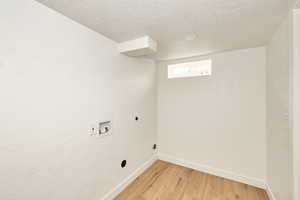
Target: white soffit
[(139, 47)]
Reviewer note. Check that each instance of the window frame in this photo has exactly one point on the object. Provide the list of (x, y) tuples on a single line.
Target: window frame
[(190, 69)]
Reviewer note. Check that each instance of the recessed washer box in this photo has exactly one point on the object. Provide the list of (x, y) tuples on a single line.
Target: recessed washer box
[(104, 128), (139, 47)]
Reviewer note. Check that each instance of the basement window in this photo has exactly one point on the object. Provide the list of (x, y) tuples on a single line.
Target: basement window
[(190, 69)]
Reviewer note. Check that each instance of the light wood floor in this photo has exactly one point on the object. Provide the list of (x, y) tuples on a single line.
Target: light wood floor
[(166, 181)]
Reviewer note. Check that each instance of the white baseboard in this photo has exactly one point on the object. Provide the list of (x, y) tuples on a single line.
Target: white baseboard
[(119, 188), (217, 172), (270, 193)]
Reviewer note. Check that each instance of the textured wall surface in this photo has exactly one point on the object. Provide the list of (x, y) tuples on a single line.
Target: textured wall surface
[(56, 79), (217, 121), (296, 101), (279, 134)]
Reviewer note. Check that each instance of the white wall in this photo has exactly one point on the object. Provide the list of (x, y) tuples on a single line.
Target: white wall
[(56, 79), (279, 134), (217, 121), (296, 100)]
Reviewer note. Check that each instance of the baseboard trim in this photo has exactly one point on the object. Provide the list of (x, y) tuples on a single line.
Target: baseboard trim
[(217, 172), (270, 193), (127, 181)]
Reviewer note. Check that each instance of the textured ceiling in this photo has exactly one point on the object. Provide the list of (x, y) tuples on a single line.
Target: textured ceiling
[(218, 24)]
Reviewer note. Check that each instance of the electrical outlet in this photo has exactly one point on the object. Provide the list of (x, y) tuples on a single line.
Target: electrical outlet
[(154, 147)]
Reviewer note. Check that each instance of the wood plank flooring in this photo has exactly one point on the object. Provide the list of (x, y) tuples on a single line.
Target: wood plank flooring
[(166, 181)]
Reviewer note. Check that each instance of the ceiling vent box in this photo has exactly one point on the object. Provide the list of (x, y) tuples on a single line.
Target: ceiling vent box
[(139, 47)]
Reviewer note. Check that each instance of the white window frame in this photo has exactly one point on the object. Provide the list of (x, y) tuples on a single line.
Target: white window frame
[(190, 69)]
